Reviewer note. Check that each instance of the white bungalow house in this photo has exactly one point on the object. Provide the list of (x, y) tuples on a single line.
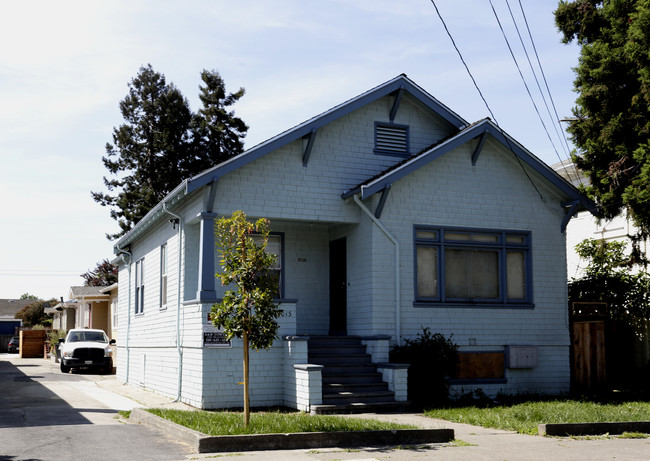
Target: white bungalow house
[(389, 213)]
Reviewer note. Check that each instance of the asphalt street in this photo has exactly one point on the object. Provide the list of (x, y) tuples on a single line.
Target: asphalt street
[(47, 415)]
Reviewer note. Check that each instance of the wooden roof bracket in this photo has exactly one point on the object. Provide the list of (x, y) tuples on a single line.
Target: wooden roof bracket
[(398, 99), (310, 145), (572, 211), (479, 147), (382, 201)]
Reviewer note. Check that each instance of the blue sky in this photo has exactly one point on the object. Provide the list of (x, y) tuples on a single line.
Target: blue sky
[(65, 66)]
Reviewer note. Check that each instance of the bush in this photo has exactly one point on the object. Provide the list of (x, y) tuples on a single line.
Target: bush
[(433, 359), (53, 337)]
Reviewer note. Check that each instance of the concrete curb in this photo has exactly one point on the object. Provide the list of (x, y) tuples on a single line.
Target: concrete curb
[(569, 429), (202, 443)]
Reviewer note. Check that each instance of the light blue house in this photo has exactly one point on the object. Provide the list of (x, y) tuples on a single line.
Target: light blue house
[(389, 213)]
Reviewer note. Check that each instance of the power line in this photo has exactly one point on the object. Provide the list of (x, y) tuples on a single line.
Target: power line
[(532, 70), (37, 273), (550, 95), (460, 55), (512, 54)]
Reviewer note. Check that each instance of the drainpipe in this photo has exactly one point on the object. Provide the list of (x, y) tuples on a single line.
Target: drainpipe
[(178, 302), (398, 326), (128, 308)]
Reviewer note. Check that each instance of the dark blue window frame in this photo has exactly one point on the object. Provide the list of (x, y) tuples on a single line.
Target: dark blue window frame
[(282, 261), (392, 152), (435, 237)]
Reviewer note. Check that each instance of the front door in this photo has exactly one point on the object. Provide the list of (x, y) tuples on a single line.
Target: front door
[(338, 287)]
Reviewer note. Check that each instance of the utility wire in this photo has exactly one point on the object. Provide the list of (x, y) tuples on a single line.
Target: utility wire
[(512, 54), (548, 90), (505, 136), (532, 70)]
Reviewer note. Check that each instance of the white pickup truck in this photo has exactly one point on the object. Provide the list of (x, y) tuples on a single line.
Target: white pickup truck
[(85, 348)]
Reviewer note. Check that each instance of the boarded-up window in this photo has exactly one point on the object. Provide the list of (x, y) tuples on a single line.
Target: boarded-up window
[(481, 365)]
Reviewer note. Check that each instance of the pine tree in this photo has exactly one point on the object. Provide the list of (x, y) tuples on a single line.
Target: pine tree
[(218, 134), (163, 143)]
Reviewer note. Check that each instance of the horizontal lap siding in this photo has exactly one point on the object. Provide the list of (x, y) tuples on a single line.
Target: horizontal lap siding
[(223, 371), (279, 186)]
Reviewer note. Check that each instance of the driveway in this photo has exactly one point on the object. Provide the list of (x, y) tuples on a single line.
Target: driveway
[(48, 415)]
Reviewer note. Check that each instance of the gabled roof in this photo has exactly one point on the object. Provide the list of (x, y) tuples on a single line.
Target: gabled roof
[(477, 130), (87, 292), (395, 86), (400, 82)]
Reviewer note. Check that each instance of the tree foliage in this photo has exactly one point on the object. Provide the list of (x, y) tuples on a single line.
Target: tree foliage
[(611, 129), (162, 142), (247, 310), (28, 296), (34, 314), (609, 278), (104, 274)]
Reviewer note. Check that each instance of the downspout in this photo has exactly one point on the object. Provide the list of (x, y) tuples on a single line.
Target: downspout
[(398, 326), (128, 308), (178, 302)]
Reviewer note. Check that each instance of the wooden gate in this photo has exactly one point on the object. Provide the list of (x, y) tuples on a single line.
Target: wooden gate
[(589, 364)]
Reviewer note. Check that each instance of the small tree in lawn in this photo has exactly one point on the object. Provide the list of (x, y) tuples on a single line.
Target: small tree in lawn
[(247, 310)]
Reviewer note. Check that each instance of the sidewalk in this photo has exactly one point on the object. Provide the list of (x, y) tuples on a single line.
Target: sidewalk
[(473, 442)]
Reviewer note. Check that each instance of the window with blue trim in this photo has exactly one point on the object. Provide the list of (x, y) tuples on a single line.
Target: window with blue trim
[(275, 246), (391, 139), (472, 266)]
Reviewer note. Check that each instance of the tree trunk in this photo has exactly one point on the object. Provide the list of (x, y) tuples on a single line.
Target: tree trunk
[(247, 408)]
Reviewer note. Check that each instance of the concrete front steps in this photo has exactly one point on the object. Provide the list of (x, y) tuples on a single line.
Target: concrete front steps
[(351, 382)]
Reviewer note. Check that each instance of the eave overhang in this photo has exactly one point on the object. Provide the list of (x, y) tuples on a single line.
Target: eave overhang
[(478, 130)]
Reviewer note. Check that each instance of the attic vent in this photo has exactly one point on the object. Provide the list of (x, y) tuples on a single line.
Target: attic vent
[(391, 139)]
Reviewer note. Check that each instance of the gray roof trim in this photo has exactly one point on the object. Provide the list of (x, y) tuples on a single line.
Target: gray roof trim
[(393, 174)]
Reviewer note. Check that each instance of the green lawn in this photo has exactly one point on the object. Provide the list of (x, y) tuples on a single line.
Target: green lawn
[(524, 417), (274, 422)]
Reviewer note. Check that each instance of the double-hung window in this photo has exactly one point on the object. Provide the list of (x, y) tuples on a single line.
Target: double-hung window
[(139, 286), (163, 276), (472, 266), (274, 246)]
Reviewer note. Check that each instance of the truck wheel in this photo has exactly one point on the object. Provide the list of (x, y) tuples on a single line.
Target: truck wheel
[(64, 368)]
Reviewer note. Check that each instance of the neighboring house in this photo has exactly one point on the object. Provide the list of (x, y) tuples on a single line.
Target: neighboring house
[(63, 315), (111, 328), (9, 324), (389, 214), (88, 307)]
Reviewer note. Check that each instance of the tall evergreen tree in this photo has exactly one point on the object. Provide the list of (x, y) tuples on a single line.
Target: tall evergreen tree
[(218, 134), (611, 129), (162, 143)]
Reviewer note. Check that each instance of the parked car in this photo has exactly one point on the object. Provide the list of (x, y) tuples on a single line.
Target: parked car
[(85, 348), (14, 345)]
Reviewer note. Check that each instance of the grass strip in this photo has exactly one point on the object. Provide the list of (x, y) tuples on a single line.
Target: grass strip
[(524, 417), (275, 422)]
